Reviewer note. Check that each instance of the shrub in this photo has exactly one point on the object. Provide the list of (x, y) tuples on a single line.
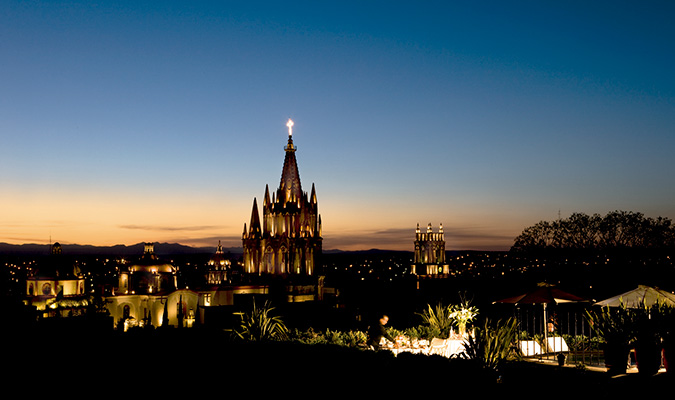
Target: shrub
[(338, 338), (613, 325)]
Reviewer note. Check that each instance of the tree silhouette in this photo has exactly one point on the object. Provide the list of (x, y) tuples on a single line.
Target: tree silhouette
[(616, 230), (598, 252)]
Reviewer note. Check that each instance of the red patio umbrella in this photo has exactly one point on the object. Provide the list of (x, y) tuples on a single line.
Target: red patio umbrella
[(544, 294)]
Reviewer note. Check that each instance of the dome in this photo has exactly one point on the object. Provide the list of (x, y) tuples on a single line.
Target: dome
[(148, 275)]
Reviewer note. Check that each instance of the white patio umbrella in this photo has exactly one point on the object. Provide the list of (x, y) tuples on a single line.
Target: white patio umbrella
[(635, 298)]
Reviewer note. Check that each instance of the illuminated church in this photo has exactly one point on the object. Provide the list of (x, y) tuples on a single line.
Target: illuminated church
[(287, 240), (429, 258), (147, 293), (56, 286)]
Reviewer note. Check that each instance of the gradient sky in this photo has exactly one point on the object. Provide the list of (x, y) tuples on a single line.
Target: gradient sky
[(131, 121)]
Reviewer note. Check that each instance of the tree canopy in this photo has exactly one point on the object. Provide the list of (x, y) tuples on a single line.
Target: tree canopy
[(617, 229)]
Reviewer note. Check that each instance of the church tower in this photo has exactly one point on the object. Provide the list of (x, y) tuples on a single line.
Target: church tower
[(287, 241), (430, 253)]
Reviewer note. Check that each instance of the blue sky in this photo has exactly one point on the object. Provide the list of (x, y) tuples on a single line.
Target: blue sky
[(161, 121)]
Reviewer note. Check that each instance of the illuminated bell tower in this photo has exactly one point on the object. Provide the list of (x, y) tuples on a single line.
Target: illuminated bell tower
[(288, 239), (430, 252)]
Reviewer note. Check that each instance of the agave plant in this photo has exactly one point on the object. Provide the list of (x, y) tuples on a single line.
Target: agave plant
[(438, 319), (261, 325), (491, 343)]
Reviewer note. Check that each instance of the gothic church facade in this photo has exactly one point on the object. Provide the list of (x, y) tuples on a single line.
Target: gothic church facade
[(429, 258), (287, 239)]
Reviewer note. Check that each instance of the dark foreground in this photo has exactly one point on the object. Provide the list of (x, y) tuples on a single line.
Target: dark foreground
[(178, 363)]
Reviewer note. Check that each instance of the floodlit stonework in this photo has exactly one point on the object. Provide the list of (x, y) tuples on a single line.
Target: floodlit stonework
[(287, 241), (430, 253)]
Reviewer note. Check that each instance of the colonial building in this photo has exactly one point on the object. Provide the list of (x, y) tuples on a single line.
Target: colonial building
[(148, 275), (287, 241), (219, 268), (147, 294), (55, 286), (429, 258)]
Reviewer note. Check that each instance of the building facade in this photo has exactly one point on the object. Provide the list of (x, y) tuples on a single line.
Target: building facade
[(219, 268), (287, 240), (55, 287), (147, 294), (147, 276), (429, 257)]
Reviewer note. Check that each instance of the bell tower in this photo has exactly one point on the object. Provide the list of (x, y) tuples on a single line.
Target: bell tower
[(430, 252)]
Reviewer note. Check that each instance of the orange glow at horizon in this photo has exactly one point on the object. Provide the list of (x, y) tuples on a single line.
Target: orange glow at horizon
[(107, 219), (88, 216)]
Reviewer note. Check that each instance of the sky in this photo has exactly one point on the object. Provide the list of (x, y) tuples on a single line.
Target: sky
[(142, 121)]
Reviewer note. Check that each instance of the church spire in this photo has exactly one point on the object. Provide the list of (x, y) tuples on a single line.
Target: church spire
[(266, 201), (312, 197), (254, 227), (289, 186)]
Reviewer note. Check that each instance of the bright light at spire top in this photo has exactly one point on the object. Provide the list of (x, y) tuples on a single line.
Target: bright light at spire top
[(289, 124)]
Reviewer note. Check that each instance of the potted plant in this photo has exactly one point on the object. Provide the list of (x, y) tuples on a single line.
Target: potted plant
[(648, 339), (667, 330), (561, 359), (663, 318), (616, 329)]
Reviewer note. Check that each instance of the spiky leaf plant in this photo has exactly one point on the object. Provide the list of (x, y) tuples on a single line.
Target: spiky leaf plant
[(261, 325), (438, 319), (491, 343)]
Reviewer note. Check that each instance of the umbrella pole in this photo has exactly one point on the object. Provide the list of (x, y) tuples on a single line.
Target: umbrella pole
[(545, 332)]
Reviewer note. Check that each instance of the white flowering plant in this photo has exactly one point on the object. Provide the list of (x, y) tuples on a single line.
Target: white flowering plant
[(462, 314)]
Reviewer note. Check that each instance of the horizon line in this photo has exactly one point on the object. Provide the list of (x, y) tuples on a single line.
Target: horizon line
[(225, 247)]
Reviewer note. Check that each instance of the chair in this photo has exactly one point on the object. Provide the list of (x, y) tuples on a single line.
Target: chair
[(556, 344), (530, 348), (438, 346), (454, 347)]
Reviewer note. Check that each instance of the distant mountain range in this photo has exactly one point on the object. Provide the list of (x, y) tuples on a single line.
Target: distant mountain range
[(117, 250), (122, 250)]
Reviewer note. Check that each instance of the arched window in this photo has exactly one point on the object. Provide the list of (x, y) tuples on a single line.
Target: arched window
[(269, 260), (47, 288)]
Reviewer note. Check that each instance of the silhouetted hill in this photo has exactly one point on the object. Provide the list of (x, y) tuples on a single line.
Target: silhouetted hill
[(160, 248), (364, 252), (116, 250)]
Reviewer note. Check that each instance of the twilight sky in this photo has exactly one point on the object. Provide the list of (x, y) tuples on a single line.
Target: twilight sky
[(131, 121)]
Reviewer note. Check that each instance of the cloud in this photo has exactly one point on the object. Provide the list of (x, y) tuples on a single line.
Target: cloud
[(385, 239), (210, 241), (25, 239), (477, 234), (458, 238), (171, 228)]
